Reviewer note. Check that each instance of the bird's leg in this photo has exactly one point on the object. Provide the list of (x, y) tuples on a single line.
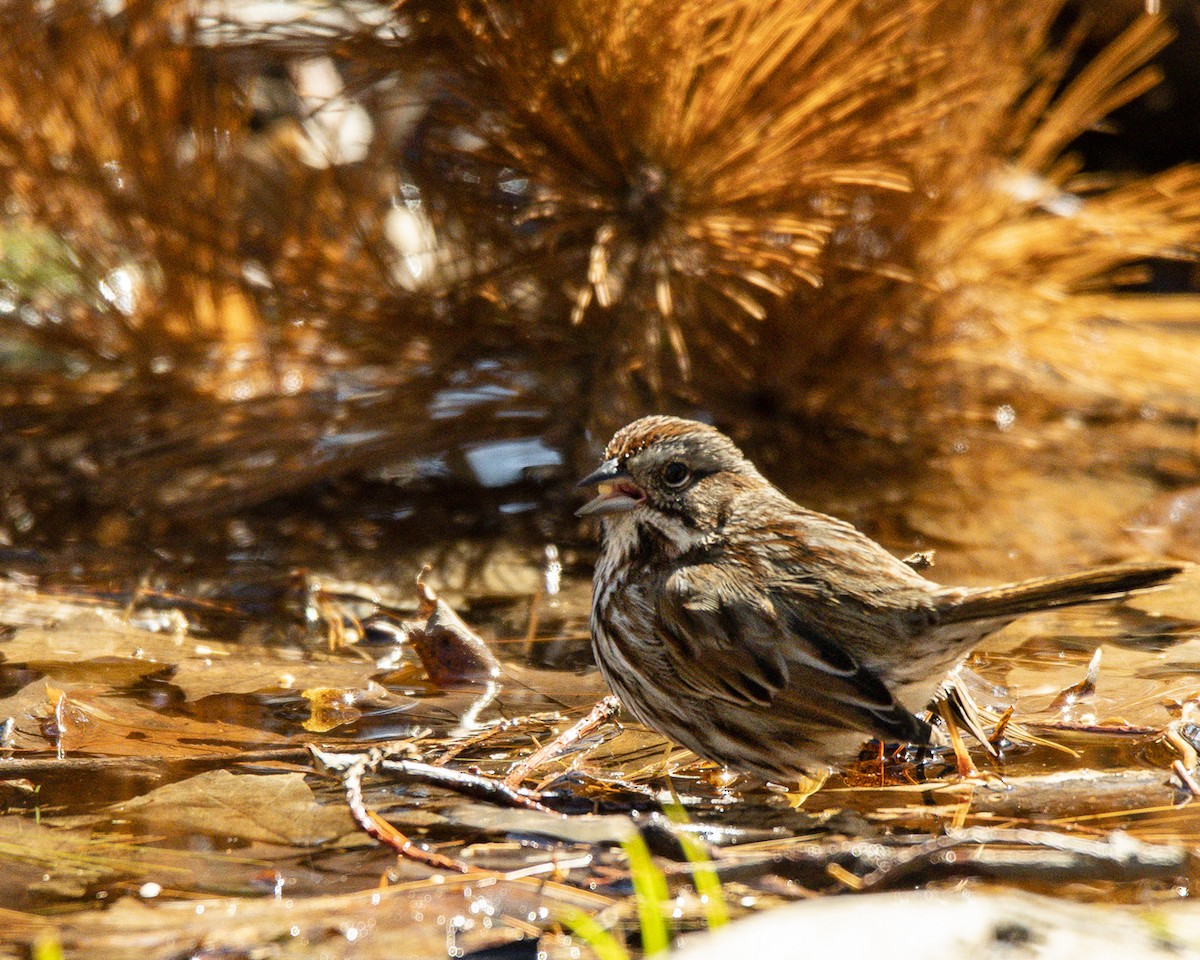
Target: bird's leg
[(966, 766), (1188, 763)]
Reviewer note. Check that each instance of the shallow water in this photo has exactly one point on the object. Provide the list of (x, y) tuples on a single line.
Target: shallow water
[(157, 757)]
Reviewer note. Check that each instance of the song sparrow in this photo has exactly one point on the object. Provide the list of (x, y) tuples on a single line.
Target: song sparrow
[(767, 637)]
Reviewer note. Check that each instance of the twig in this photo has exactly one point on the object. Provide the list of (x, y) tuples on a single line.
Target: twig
[(1115, 857), (599, 714), (1110, 729), (468, 784), (1060, 795), (1186, 777), (975, 851), (379, 829), (12, 768), (466, 743)]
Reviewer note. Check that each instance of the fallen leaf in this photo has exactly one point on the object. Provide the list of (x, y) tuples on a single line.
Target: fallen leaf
[(203, 678), (95, 720), (103, 638), (276, 808), (450, 651), (1082, 690)]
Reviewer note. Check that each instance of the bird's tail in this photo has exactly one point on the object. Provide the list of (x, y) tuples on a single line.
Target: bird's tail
[(1047, 593)]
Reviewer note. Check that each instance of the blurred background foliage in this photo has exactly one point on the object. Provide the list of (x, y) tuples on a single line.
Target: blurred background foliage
[(357, 274)]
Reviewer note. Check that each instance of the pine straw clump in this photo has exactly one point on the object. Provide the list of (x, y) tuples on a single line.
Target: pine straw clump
[(851, 181), (862, 215)]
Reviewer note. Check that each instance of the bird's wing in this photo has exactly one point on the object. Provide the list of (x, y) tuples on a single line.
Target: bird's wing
[(749, 649)]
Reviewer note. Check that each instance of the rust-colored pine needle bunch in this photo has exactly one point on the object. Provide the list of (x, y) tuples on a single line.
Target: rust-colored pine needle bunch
[(868, 213), (1022, 310), (227, 284), (883, 187), (863, 211), (130, 139), (1039, 269), (678, 171)]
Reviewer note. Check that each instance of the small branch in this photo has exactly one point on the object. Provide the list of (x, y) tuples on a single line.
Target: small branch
[(600, 714), (1055, 796), (1018, 855), (466, 743), (374, 826), (1045, 855), (15, 767), (1186, 777), (468, 784)]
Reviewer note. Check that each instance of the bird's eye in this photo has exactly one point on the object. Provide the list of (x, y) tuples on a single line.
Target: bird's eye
[(676, 474)]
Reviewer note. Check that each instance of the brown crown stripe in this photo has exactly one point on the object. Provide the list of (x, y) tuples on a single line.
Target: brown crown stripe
[(648, 431)]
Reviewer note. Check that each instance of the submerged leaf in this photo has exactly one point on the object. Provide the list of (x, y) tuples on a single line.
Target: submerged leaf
[(96, 637), (96, 720), (257, 674), (277, 809)]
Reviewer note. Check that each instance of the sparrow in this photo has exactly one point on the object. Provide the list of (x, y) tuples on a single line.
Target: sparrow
[(769, 638)]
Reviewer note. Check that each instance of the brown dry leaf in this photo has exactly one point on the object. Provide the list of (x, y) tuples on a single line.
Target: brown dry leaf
[(202, 678), (101, 649), (94, 720), (277, 809), (101, 637), (29, 708), (450, 651), (1083, 689)]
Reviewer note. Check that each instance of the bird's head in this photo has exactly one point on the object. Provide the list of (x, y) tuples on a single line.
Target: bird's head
[(668, 470)]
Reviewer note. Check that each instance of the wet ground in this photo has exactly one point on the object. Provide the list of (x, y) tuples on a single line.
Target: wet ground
[(160, 795)]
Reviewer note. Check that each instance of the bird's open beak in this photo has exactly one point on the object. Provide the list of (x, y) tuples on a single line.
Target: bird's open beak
[(617, 493)]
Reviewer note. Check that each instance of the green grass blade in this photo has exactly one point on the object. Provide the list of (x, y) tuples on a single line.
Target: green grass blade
[(47, 946), (604, 945), (650, 885), (708, 884)]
